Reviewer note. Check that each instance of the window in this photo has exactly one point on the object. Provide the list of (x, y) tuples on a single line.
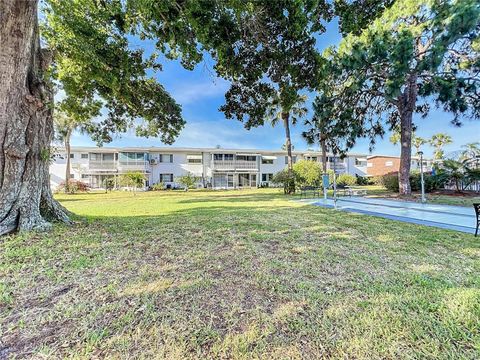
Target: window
[(294, 159), (246, 158), (165, 158), (311, 158), (369, 164), (388, 163), (360, 162), (267, 161), (72, 156), (85, 176), (84, 156), (166, 178), (217, 156), (228, 157), (194, 158), (267, 177), (107, 157), (72, 176)]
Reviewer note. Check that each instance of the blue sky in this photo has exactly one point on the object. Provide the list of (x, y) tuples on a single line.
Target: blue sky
[(201, 94)]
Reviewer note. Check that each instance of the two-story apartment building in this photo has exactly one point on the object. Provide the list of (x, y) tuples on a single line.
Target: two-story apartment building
[(217, 168)]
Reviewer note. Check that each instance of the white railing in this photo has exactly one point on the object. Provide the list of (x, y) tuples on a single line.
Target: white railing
[(234, 165), (133, 165), (102, 165)]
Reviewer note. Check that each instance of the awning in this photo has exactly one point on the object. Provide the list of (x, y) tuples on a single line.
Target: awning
[(265, 157), (361, 159), (194, 157)]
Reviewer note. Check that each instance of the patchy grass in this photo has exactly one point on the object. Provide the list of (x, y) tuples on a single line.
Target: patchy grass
[(240, 274)]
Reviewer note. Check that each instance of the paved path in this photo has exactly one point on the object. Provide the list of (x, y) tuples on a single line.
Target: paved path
[(458, 218)]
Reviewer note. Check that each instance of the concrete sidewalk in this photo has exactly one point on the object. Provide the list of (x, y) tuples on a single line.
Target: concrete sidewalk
[(450, 217)]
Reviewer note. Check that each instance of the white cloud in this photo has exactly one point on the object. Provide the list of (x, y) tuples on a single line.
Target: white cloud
[(188, 93)]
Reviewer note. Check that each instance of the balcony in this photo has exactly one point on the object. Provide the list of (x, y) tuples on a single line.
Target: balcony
[(102, 165), (234, 165), (139, 165)]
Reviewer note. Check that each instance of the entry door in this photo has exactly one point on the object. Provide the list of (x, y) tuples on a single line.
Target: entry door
[(253, 180), (230, 183), (243, 180)]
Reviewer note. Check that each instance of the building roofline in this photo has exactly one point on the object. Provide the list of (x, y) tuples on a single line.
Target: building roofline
[(192, 149)]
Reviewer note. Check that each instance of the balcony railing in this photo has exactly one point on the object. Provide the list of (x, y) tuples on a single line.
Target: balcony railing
[(102, 165), (234, 165), (133, 165)]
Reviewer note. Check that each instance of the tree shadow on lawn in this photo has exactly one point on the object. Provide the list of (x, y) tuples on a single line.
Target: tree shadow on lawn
[(244, 281)]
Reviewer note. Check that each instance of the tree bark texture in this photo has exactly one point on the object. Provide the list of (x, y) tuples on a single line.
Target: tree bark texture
[(67, 167), (26, 123), (290, 186), (323, 145), (406, 106)]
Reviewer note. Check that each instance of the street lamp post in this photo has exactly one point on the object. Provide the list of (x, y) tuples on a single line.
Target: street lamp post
[(422, 181)]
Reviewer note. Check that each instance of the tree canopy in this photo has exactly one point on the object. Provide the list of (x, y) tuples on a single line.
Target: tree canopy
[(415, 52)]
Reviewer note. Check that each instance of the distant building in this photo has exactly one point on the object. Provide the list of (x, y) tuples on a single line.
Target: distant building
[(378, 165), (217, 168)]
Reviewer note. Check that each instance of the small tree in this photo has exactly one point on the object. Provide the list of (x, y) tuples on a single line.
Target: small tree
[(133, 180), (454, 172), (188, 181), (109, 184), (307, 173)]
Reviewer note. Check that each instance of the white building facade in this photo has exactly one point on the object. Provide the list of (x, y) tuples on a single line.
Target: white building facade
[(216, 168)]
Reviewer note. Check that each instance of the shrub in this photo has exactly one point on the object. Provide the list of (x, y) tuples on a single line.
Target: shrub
[(307, 173), (346, 180), (133, 179), (74, 186), (282, 178), (109, 183), (188, 181), (364, 180), (158, 186), (390, 182), (432, 182)]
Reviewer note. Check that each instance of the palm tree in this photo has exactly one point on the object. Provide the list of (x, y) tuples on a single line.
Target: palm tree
[(64, 127), (470, 151), (438, 141), (66, 122), (287, 109)]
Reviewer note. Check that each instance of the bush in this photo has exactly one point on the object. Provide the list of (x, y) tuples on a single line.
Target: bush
[(109, 183), (282, 178), (390, 182), (346, 180), (188, 181), (432, 182), (307, 173), (74, 186), (364, 180), (158, 186)]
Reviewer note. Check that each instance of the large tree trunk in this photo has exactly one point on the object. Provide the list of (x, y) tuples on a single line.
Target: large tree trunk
[(323, 145), (406, 105), (26, 125), (290, 186), (67, 167)]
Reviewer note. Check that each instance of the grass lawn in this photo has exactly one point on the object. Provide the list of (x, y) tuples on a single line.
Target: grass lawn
[(239, 274), (432, 198)]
